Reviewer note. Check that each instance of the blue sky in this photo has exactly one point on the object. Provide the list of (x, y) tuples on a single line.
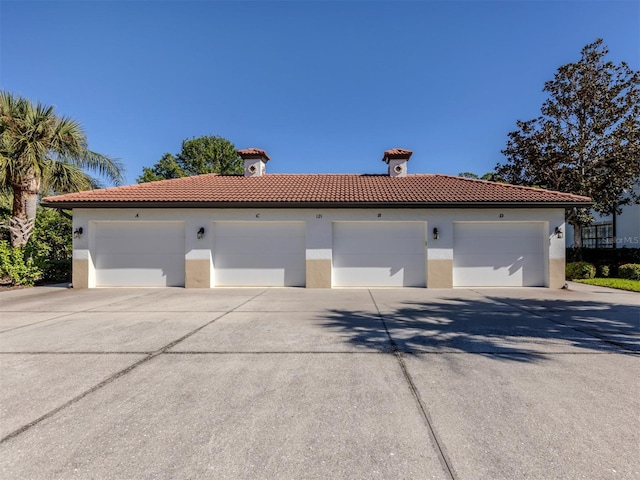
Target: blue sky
[(321, 86)]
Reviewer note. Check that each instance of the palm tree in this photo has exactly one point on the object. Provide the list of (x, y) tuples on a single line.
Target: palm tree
[(40, 151)]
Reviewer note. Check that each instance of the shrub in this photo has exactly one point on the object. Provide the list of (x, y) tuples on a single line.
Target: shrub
[(630, 271), (603, 271), (611, 257), (47, 255), (580, 270), (50, 245), (17, 268)]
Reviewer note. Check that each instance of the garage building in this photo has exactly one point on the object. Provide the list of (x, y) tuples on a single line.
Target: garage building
[(319, 231)]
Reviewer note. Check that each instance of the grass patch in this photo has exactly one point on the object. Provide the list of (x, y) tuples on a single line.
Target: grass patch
[(619, 283)]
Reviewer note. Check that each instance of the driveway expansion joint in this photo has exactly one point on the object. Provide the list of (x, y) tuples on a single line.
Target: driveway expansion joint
[(63, 313), (274, 352), (445, 461), (116, 375), (76, 353)]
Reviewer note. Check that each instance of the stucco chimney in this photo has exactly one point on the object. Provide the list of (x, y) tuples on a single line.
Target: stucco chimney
[(255, 161), (397, 159)]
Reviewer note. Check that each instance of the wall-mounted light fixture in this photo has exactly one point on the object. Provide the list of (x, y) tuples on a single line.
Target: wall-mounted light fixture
[(558, 232), (436, 234), (77, 232), (201, 233)]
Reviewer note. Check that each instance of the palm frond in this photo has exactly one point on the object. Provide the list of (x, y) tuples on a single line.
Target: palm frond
[(108, 167), (33, 138), (59, 177)]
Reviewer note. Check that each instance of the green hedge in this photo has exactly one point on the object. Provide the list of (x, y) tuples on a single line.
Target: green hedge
[(17, 268), (580, 270), (47, 256), (611, 258), (630, 271)]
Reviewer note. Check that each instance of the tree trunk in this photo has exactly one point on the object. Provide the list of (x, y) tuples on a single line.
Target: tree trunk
[(25, 202), (614, 228), (577, 235), (572, 218)]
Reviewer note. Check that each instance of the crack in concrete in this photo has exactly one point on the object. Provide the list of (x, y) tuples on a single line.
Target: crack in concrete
[(117, 375), (440, 449)]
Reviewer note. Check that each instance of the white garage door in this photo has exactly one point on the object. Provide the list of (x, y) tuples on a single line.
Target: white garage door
[(385, 254), (139, 254), (499, 255), (265, 254)]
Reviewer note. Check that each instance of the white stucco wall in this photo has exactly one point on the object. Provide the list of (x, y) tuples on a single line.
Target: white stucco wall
[(318, 226)]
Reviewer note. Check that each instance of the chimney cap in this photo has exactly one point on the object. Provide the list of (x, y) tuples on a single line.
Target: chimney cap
[(253, 153), (397, 154)]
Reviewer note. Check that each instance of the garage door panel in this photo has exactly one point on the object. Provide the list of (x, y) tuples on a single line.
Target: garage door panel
[(364, 261), (507, 245), (241, 245), (379, 237), (380, 277), (140, 254), (377, 244), (244, 261), (500, 255), (389, 254), (116, 269), (496, 261), (231, 230), (128, 229), (268, 277), (128, 260), (492, 229), (507, 276), (259, 254), (160, 244)]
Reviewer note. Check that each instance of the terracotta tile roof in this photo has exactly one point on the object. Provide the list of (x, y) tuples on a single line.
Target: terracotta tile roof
[(331, 189), (397, 153), (249, 153)]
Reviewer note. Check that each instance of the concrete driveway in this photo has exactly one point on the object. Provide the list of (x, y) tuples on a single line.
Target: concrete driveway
[(295, 383)]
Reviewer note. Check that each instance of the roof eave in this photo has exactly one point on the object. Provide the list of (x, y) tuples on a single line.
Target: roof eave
[(173, 204)]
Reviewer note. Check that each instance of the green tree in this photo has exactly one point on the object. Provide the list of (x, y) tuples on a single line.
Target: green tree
[(166, 168), (40, 151), (490, 176), (209, 154), (586, 140)]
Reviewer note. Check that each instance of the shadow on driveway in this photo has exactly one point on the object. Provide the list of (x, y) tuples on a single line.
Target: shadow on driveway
[(509, 329)]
